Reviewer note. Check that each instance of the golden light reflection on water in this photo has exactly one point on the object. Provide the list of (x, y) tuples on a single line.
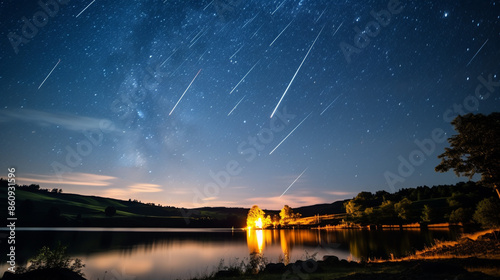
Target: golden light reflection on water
[(258, 240)]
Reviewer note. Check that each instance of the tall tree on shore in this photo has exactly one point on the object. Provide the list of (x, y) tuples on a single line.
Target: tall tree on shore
[(475, 149), (255, 217), (286, 214)]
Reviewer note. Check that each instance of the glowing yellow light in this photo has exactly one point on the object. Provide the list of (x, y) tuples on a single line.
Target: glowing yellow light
[(258, 223)]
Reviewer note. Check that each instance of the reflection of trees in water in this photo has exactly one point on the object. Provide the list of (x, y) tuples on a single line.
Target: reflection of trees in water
[(364, 244), (285, 247), (361, 244)]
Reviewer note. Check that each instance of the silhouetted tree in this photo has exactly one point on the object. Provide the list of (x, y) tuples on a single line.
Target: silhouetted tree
[(475, 149), (33, 187)]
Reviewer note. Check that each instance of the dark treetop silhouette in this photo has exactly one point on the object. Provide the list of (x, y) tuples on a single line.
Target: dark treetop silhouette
[(475, 149)]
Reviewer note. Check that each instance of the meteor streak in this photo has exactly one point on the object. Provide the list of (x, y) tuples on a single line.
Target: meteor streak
[(236, 105), (175, 50), (208, 5), (278, 7), (337, 29), (477, 52), (289, 134), (237, 51), (296, 72), (320, 15), (249, 21), (293, 182), (280, 33), (85, 8), (255, 33), (185, 92), (49, 74), (244, 76), (330, 105)]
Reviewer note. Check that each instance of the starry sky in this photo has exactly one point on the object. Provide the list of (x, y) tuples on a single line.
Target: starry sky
[(240, 102)]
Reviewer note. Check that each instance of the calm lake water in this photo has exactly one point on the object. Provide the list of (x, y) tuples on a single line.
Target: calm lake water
[(186, 253)]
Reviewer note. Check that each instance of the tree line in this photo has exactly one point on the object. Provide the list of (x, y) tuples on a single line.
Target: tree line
[(466, 202)]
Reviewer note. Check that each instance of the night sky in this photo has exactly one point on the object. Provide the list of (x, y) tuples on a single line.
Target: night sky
[(171, 101)]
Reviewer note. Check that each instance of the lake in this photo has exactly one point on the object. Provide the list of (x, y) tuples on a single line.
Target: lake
[(187, 253)]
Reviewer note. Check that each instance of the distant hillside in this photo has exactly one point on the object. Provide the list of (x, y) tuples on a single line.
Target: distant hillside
[(36, 207), (44, 208), (322, 209)]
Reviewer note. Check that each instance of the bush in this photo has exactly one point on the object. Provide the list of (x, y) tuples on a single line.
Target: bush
[(56, 258), (428, 214), (460, 215), (488, 213)]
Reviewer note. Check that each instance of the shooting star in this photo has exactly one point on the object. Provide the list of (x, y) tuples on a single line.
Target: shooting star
[(198, 39), (294, 182), (208, 5), (330, 105), (202, 55), (244, 76), (184, 92), (278, 7), (236, 105), (337, 29), (255, 33), (280, 33), (85, 8), (289, 134), (175, 50), (49, 74), (249, 21), (237, 51), (320, 15), (195, 37), (477, 52), (296, 72)]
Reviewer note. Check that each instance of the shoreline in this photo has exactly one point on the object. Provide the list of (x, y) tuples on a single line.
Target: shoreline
[(472, 256)]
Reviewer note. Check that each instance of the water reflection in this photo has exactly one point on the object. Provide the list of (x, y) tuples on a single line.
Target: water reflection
[(348, 244), (188, 254)]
